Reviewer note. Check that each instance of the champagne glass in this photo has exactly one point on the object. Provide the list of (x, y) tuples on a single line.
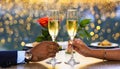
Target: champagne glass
[(53, 27), (72, 25)]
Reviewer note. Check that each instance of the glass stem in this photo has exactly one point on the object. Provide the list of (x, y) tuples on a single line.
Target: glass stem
[(53, 58), (53, 62), (53, 38), (72, 55)]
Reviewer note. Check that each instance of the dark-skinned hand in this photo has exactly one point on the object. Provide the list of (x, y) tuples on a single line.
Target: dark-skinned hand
[(44, 50)]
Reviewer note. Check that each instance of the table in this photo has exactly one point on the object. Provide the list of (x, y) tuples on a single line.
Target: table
[(85, 63)]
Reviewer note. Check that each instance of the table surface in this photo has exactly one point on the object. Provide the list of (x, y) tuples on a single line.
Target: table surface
[(85, 63)]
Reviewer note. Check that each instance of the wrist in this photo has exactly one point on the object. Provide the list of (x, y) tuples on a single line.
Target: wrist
[(88, 53), (104, 54), (34, 58), (28, 56)]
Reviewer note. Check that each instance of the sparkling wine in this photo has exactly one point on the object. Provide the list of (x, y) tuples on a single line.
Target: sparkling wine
[(53, 27), (72, 28)]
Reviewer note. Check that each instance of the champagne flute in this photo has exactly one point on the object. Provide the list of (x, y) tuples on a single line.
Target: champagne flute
[(72, 25), (53, 27)]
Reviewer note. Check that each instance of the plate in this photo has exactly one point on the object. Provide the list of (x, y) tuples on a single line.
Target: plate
[(29, 44), (63, 44), (95, 44)]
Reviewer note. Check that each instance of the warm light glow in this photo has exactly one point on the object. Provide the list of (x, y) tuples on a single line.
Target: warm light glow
[(98, 27), (18, 18), (92, 25), (3, 41), (64, 1), (108, 30), (22, 43), (9, 39), (99, 21), (91, 33)]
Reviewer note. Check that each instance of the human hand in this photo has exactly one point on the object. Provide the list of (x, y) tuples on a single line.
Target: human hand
[(44, 50), (80, 47)]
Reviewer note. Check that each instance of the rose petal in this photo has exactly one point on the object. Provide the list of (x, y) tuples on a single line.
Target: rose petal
[(43, 21)]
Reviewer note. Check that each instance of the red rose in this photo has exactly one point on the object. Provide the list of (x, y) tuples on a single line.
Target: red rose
[(43, 21)]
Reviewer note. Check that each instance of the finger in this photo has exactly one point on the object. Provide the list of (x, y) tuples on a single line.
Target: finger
[(34, 59), (55, 48), (77, 50), (52, 47), (77, 43), (51, 55), (76, 46), (69, 45), (50, 51), (54, 51)]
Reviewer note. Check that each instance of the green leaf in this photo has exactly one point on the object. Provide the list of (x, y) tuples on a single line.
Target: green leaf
[(87, 34), (39, 38), (84, 22), (45, 36), (79, 28), (83, 34)]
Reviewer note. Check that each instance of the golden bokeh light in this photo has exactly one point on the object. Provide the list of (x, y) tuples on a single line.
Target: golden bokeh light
[(99, 21), (22, 43), (86, 28), (9, 39), (113, 14), (117, 35), (103, 30), (18, 18), (93, 38), (91, 33), (95, 30), (1, 30), (3, 41), (97, 16), (108, 30), (98, 27), (115, 38), (101, 38), (96, 36), (116, 24), (15, 21), (1, 24), (28, 26), (92, 25)]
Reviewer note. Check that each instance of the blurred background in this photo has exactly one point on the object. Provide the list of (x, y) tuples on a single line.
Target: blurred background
[(18, 20)]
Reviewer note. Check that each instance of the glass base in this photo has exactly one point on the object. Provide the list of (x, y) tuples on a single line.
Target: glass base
[(72, 62), (53, 62)]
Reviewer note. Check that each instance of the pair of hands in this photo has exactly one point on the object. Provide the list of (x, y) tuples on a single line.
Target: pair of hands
[(48, 49)]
